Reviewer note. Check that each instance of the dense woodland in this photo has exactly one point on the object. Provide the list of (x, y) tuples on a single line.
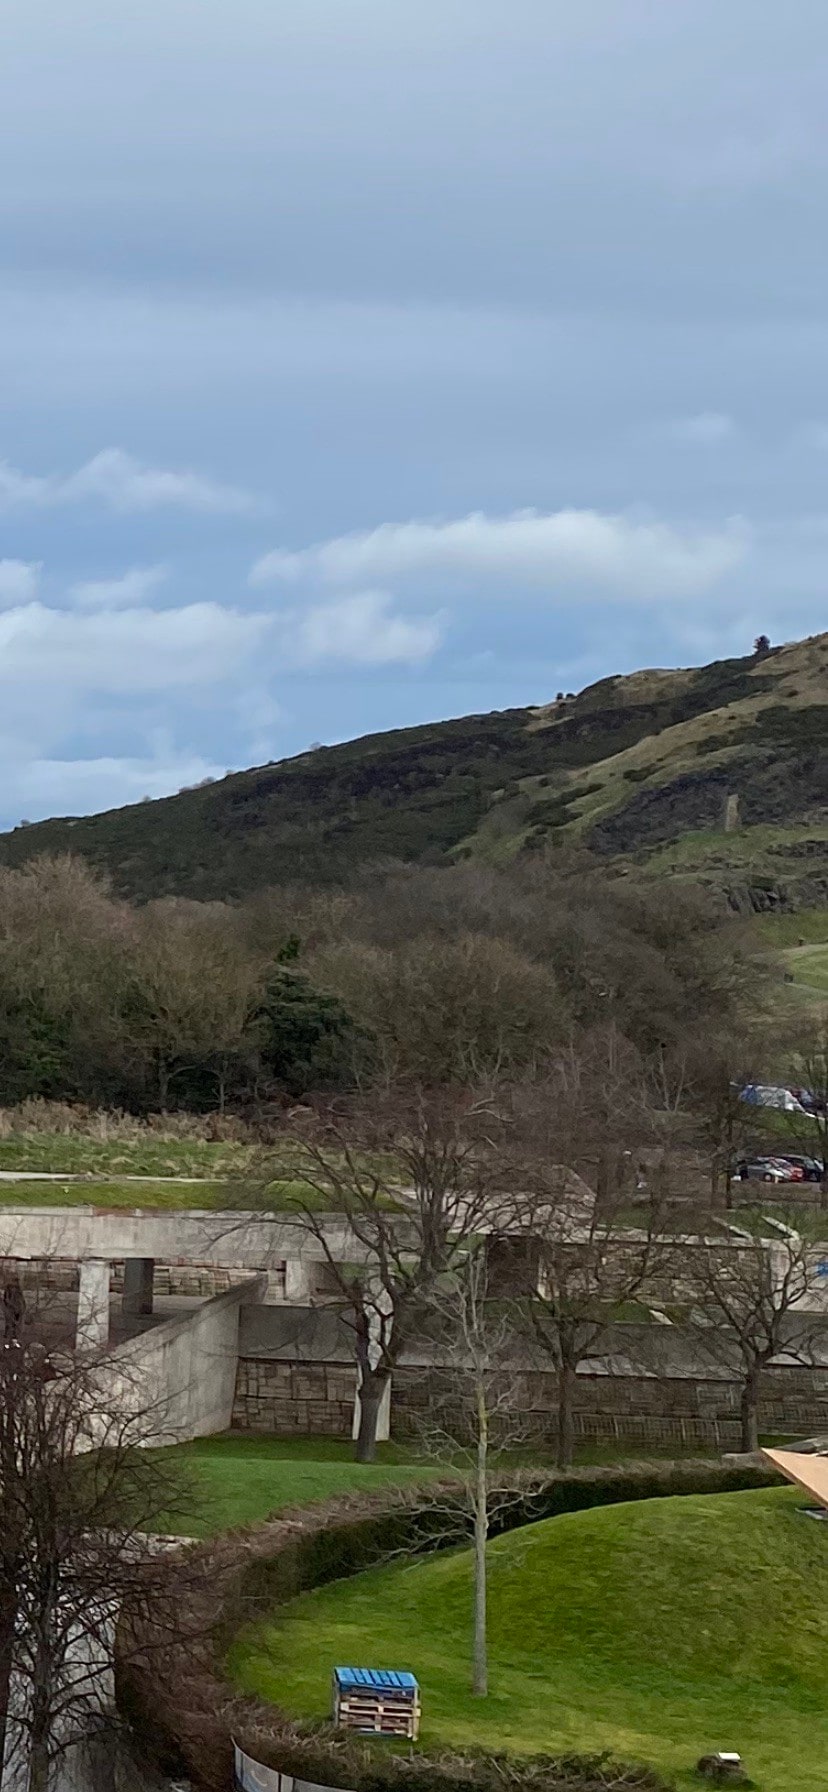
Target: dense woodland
[(429, 975)]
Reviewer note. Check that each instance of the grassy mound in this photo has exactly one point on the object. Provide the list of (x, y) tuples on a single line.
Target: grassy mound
[(658, 1630)]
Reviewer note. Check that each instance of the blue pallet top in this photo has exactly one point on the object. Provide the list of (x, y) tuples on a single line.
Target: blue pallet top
[(379, 1679)]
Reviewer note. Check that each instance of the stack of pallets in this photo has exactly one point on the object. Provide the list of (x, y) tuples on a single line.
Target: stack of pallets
[(376, 1702)]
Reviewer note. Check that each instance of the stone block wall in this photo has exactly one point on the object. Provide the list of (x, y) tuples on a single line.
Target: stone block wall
[(310, 1399), (317, 1399), (684, 1410), (203, 1279)]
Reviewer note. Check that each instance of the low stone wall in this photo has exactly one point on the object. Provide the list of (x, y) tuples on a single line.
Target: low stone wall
[(685, 1410), (312, 1399), (317, 1399)]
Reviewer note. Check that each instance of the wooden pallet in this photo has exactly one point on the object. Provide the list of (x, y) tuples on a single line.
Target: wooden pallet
[(378, 1714)]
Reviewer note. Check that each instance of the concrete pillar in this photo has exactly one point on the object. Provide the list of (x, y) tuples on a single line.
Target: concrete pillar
[(384, 1419), (384, 1415), (93, 1305), (137, 1296), (298, 1286)]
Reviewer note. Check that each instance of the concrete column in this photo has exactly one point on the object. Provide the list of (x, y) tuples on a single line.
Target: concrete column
[(384, 1419), (298, 1281), (93, 1305), (137, 1296), (384, 1416)]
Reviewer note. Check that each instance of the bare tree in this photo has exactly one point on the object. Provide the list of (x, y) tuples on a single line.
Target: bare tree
[(189, 1002), (78, 1495), (474, 1413), (719, 1071), (760, 1290), (582, 1267), (586, 1253), (412, 1179)]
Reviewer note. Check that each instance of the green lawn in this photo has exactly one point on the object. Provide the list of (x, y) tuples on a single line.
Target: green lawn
[(180, 1196), (237, 1479), (94, 1193), (657, 1630), (808, 924), (231, 1481), (76, 1153), (809, 967)]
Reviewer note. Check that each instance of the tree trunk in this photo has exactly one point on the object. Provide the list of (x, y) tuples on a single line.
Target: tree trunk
[(602, 1181), (43, 1696), (566, 1431), (163, 1083), (480, 1659), (371, 1390), (39, 1764), (8, 1622), (749, 1410)]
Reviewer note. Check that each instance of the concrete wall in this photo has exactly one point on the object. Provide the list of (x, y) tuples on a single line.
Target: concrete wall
[(231, 1240), (193, 1252), (179, 1378)]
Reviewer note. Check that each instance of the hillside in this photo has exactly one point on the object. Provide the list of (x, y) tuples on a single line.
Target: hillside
[(638, 769)]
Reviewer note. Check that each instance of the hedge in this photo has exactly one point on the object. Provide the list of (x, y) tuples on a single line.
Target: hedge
[(170, 1672)]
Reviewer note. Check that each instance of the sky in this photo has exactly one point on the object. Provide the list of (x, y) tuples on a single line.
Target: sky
[(364, 363)]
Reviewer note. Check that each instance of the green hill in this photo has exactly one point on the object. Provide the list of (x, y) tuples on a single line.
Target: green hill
[(660, 1631), (639, 769)]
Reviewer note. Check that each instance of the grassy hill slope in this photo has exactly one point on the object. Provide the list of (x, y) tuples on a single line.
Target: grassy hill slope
[(660, 1631), (637, 768)]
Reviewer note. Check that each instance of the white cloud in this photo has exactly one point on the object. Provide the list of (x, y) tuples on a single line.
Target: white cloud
[(360, 629), (127, 590), (706, 428), (613, 554), (124, 652), (18, 581), (84, 786), (124, 484)]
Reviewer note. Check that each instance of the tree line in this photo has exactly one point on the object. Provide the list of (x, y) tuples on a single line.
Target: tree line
[(436, 976)]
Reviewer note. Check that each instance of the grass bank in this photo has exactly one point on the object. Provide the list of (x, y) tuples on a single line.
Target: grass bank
[(235, 1480), (657, 1630)]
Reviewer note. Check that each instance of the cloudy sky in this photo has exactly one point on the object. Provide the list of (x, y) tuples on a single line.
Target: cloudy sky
[(364, 362)]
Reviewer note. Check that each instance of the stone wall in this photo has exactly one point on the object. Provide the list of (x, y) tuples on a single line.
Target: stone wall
[(284, 1398), (311, 1399), (644, 1408), (204, 1279)]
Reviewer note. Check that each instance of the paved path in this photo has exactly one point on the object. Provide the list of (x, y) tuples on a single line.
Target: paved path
[(93, 1176)]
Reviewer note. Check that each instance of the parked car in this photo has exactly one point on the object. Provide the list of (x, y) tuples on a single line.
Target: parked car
[(769, 1169), (810, 1166), (770, 1095)]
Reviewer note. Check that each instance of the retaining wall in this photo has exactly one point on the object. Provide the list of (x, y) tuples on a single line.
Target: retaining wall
[(179, 1378), (317, 1399)]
